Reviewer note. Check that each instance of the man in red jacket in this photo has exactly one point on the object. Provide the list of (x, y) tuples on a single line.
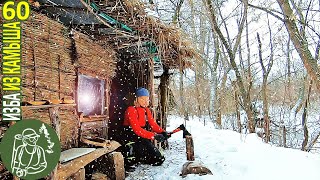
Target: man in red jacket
[(137, 119)]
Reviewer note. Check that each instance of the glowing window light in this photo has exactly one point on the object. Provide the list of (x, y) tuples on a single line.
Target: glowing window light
[(90, 95)]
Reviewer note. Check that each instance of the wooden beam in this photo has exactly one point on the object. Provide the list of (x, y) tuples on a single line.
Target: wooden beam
[(93, 118), (94, 143), (46, 106), (67, 169)]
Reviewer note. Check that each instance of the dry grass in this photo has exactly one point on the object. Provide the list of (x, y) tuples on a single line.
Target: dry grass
[(173, 44)]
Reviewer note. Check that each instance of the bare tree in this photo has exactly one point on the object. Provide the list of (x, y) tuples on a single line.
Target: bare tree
[(265, 73), (245, 95), (305, 111), (299, 41)]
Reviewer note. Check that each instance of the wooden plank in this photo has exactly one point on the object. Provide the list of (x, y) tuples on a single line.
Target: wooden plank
[(46, 106), (74, 153), (67, 169), (189, 148), (93, 118), (116, 166), (94, 143)]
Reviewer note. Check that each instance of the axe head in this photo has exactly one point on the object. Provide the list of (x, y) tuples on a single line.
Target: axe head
[(185, 132)]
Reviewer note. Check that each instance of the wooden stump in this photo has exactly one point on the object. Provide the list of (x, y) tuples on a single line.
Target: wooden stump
[(189, 148)]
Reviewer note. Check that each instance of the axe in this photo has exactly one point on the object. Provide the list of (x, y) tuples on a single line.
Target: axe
[(183, 128)]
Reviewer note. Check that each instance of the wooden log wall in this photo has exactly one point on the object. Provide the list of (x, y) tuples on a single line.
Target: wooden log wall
[(52, 57)]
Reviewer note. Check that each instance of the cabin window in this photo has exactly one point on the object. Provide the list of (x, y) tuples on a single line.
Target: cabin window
[(90, 95)]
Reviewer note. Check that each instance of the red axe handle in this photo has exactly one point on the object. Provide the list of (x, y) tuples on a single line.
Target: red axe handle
[(176, 130), (181, 127)]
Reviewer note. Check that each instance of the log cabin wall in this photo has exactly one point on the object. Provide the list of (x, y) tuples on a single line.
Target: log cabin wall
[(52, 58)]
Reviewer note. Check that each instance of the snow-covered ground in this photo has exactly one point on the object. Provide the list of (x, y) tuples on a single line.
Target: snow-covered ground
[(230, 156)]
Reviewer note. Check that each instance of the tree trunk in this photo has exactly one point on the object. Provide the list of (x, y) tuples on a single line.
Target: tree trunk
[(313, 142), (231, 53), (304, 119), (221, 94), (181, 90), (236, 98), (288, 88), (214, 81), (265, 72), (176, 21), (265, 111), (176, 16), (300, 42)]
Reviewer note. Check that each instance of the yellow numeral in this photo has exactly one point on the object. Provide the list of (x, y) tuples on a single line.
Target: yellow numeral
[(26, 8), (8, 13)]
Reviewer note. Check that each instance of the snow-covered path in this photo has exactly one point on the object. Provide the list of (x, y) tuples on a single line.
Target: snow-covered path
[(230, 156)]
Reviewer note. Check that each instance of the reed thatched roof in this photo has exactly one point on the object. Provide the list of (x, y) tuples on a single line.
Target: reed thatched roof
[(126, 26)]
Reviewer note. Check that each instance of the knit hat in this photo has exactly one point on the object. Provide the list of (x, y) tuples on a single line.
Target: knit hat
[(142, 92)]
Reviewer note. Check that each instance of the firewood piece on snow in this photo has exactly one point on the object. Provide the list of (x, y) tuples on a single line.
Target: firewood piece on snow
[(194, 167)]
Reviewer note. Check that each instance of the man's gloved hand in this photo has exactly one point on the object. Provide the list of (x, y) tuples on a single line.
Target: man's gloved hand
[(159, 137), (166, 134)]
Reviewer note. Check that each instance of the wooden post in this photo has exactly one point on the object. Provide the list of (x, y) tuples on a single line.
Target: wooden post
[(55, 123), (164, 82), (80, 175), (116, 166), (284, 136), (151, 85), (189, 148), (55, 120)]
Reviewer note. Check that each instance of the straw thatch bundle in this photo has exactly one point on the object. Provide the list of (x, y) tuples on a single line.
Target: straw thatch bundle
[(173, 43)]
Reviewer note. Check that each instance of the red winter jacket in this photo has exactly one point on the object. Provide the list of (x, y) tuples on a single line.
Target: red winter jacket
[(136, 118)]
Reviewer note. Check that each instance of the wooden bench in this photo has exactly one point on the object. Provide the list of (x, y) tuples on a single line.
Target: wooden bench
[(75, 167)]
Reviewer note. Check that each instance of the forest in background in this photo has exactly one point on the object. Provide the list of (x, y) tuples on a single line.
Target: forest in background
[(258, 69)]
